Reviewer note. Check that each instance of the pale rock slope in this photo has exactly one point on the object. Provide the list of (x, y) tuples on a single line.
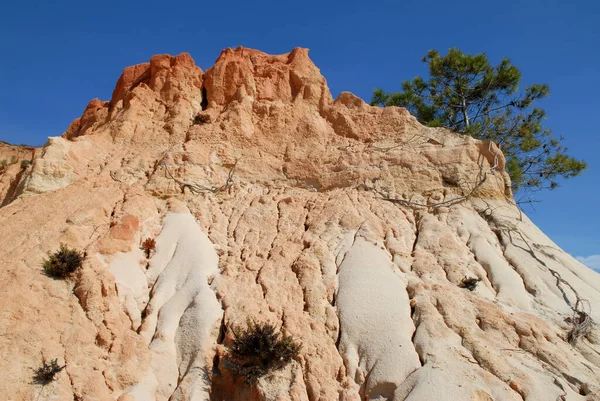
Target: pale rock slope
[(349, 227)]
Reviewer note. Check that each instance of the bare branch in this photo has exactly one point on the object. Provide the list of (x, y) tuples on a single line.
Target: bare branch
[(581, 319), (196, 188), (438, 204)]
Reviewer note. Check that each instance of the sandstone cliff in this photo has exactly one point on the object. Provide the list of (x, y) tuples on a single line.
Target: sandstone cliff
[(349, 227), (14, 162)]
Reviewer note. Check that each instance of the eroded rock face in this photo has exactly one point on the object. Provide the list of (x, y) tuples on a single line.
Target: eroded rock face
[(349, 227), (15, 162)]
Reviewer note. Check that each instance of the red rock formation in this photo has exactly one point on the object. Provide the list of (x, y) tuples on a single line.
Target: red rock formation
[(349, 227)]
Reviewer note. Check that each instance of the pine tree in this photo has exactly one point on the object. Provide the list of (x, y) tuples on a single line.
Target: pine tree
[(467, 94)]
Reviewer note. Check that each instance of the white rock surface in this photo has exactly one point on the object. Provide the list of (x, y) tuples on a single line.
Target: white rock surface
[(375, 323), (183, 314)]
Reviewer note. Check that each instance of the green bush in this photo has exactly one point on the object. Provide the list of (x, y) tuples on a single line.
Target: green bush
[(47, 372), (470, 283), (259, 349), (63, 262), (148, 246), (201, 119)]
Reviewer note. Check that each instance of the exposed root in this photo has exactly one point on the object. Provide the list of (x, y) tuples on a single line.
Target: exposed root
[(581, 320), (448, 202), (196, 188), (582, 323), (480, 180)]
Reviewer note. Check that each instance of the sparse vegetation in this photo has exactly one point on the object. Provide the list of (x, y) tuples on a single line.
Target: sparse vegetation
[(63, 262), (466, 93), (25, 164), (258, 350), (201, 119), (470, 283), (148, 246), (196, 188), (4, 163), (582, 326), (47, 372)]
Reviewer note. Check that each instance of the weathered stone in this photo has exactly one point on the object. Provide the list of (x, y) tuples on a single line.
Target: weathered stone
[(349, 227)]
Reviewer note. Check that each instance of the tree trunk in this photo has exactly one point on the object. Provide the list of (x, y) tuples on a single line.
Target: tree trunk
[(465, 115)]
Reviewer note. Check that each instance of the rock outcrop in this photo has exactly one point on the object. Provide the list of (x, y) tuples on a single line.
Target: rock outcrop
[(14, 162), (349, 227)]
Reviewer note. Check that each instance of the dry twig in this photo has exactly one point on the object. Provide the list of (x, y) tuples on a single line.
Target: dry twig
[(197, 188), (581, 319)]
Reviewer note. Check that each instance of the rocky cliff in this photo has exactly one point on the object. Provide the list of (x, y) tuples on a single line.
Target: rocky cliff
[(350, 228), (14, 161)]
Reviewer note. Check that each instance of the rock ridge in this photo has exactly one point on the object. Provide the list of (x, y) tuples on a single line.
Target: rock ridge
[(349, 227)]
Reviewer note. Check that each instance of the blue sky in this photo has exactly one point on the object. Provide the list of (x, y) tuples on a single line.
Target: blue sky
[(59, 55)]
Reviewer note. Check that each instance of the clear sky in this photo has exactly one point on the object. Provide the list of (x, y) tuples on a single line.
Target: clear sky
[(58, 55)]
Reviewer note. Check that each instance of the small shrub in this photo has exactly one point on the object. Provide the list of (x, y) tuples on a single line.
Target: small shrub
[(3, 165), (259, 349), (582, 326), (47, 372), (470, 283), (25, 164), (148, 246), (63, 262), (201, 119)]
